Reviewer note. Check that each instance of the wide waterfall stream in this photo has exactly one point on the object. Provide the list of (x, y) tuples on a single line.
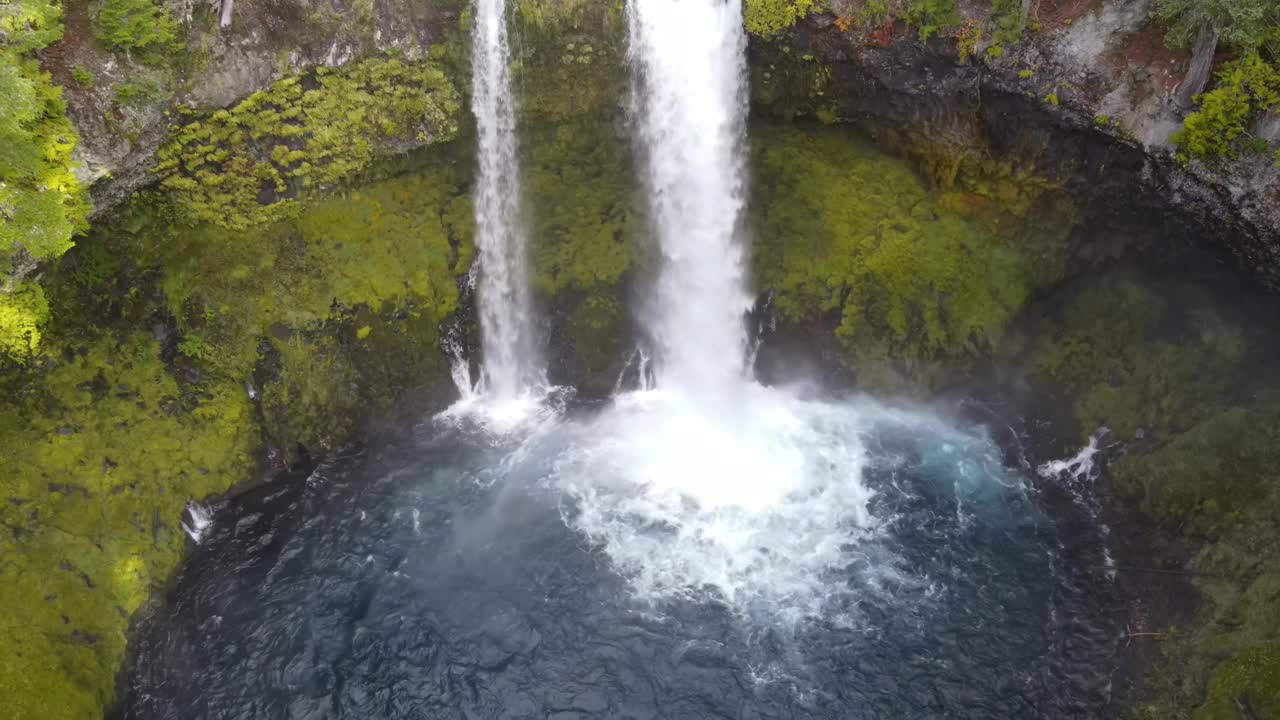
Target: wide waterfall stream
[(704, 546)]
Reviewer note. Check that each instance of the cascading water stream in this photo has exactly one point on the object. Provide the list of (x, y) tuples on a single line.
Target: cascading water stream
[(708, 481), (689, 109), (511, 362), (800, 558)]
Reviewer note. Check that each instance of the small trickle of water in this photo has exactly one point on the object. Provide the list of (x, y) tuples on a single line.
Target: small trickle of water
[(1079, 471), (199, 519), (511, 361), (459, 366), (635, 373)]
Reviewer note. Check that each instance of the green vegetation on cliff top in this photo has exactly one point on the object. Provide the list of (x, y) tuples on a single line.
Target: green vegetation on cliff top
[(1246, 89), (769, 17), (140, 25), (1242, 24), (41, 203)]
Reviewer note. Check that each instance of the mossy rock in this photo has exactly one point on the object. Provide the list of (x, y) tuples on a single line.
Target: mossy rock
[(1251, 681), (854, 241), (1142, 359), (103, 448), (571, 61), (247, 165), (585, 243)]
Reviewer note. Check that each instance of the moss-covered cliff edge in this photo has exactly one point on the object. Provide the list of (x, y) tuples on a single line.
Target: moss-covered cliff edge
[(284, 230)]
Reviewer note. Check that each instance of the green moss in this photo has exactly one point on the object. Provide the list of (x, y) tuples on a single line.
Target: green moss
[(314, 402), (247, 165), (394, 245), (597, 329), (558, 16), (1207, 477), (571, 62), (788, 85), (578, 180), (1253, 679), (23, 314), (1133, 357), (102, 450), (585, 247), (852, 239)]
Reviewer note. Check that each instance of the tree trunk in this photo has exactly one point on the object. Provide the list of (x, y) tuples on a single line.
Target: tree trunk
[(226, 12), (1200, 69)]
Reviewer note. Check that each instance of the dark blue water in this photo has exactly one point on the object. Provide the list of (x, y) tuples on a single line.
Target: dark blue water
[(431, 580)]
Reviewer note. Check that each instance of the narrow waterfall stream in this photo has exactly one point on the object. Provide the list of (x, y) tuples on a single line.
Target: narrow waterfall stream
[(707, 547), (510, 358)]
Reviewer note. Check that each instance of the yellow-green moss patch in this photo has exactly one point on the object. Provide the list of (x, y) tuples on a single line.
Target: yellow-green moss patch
[(101, 453), (245, 165)]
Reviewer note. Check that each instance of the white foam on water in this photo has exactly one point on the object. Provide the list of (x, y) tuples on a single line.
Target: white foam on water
[(1078, 468), (505, 416), (758, 507)]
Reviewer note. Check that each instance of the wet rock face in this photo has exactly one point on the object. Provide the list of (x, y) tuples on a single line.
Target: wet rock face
[(214, 67), (1081, 114)]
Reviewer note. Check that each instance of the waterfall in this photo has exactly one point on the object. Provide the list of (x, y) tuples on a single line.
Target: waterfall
[(510, 360), (689, 107)]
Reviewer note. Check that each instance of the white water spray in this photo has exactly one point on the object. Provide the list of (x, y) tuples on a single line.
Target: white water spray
[(689, 106), (706, 481), (510, 363)]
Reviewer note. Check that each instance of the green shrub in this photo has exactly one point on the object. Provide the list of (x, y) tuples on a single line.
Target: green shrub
[(1240, 23), (41, 203), (1245, 89), (932, 16), (1006, 18), (82, 77), (770, 17), (195, 347), (140, 91), (136, 25)]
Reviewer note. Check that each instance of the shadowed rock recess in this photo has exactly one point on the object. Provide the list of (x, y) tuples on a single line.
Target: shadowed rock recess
[(234, 254)]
